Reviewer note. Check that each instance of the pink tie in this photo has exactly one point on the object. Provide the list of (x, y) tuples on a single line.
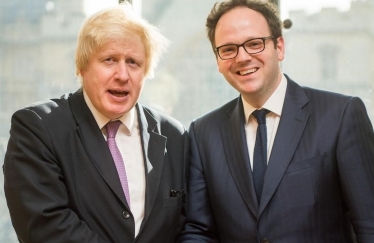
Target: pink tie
[(112, 128)]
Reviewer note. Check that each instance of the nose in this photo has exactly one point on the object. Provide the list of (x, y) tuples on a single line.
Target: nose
[(242, 56), (122, 72)]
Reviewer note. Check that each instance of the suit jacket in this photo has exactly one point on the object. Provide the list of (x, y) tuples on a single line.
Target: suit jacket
[(61, 183), (318, 184)]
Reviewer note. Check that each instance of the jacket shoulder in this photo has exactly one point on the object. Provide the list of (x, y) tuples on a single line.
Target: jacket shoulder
[(219, 114), (164, 120), (48, 107)]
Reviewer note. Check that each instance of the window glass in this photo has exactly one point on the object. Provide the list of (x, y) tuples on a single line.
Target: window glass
[(330, 46)]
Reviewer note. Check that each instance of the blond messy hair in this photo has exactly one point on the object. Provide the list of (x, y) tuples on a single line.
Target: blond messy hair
[(118, 23)]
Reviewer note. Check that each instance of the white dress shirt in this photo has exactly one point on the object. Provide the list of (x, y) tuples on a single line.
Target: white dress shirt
[(128, 139), (274, 104)]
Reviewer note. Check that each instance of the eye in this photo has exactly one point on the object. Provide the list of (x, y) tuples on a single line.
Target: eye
[(132, 62), (254, 44), (109, 60), (227, 49)]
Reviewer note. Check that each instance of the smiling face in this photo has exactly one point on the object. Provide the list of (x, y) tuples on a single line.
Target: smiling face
[(255, 76), (114, 77)]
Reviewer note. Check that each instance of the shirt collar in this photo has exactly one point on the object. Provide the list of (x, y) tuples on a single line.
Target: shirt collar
[(128, 119), (273, 104)]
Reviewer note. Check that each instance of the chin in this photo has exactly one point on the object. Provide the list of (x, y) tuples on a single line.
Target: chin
[(113, 114)]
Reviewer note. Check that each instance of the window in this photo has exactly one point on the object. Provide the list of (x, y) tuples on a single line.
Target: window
[(332, 48)]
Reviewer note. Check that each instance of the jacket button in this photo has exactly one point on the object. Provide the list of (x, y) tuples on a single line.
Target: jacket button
[(125, 214), (265, 241)]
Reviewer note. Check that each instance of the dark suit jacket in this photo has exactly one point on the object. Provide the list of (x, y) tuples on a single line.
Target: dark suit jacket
[(319, 179), (61, 183)]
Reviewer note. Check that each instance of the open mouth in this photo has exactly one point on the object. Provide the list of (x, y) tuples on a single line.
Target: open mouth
[(249, 71), (118, 93)]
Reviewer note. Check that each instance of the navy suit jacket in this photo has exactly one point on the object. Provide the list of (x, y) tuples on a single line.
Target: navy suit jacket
[(318, 184), (61, 183)]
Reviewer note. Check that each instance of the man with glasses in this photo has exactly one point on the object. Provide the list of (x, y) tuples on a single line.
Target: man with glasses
[(281, 163)]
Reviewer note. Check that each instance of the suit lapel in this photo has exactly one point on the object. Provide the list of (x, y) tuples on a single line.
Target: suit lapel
[(95, 144), (154, 145), (154, 148), (291, 126), (235, 146)]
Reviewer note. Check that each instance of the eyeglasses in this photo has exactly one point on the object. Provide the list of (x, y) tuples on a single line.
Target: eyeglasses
[(251, 46)]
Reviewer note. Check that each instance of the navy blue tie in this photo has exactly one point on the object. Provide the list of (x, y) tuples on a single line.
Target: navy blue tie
[(260, 152)]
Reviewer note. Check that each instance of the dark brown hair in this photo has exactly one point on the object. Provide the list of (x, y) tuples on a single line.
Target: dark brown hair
[(267, 9)]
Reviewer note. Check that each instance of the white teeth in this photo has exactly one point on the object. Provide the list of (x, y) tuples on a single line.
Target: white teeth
[(248, 71)]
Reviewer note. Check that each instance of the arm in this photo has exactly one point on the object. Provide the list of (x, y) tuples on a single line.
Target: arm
[(199, 225), (35, 189), (355, 153), (186, 162)]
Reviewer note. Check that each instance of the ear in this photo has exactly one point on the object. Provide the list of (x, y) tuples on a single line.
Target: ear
[(218, 64), (280, 48), (80, 73)]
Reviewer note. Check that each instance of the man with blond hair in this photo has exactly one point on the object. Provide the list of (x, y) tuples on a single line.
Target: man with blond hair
[(95, 165)]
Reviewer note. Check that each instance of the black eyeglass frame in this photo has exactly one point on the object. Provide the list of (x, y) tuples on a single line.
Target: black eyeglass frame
[(238, 46)]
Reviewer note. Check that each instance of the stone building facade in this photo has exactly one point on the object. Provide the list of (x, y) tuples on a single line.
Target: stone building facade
[(334, 50)]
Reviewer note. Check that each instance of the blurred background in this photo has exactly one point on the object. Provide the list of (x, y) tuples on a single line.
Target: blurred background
[(330, 45)]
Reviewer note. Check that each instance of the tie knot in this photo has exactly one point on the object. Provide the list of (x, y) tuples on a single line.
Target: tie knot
[(260, 115), (112, 128)]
